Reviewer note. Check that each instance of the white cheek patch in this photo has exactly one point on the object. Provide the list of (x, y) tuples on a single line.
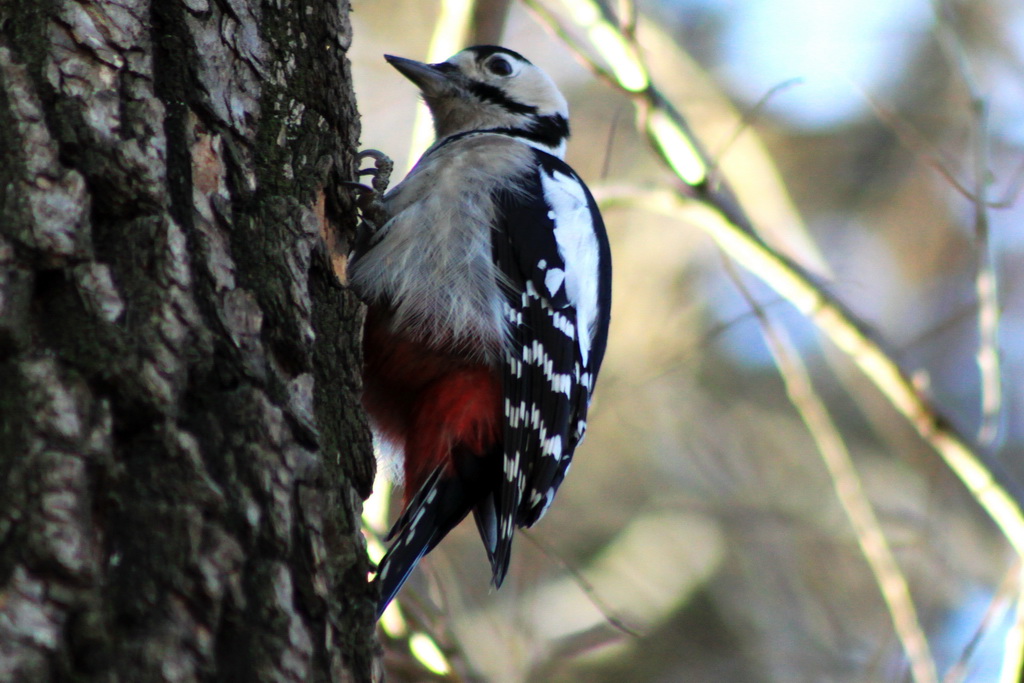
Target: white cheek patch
[(577, 245)]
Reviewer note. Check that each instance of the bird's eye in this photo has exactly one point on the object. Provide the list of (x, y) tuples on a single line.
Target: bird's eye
[(499, 66)]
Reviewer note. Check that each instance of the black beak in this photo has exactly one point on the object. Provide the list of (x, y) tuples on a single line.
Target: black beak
[(431, 81)]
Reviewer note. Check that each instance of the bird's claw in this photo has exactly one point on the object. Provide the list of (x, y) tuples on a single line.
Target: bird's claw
[(381, 171), (369, 199)]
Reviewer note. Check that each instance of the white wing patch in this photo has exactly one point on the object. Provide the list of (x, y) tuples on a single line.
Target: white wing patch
[(577, 245), (553, 279)]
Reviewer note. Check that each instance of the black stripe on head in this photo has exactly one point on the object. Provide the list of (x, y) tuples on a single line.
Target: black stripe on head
[(489, 93), (550, 131), (482, 52)]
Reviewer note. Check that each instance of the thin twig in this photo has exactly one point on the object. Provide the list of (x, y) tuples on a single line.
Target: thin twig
[(1013, 658), (585, 586), (927, 154), (986, 282), (848, 489), (750, 115), (612, 130), (987, 288), (1006, 594)]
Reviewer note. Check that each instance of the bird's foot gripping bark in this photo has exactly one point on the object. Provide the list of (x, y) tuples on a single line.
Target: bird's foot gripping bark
[(381, 171), (369, 199)]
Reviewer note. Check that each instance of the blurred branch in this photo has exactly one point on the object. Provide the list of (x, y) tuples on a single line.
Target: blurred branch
[(488, 22), (987, 288), (1005, 595), (848, 489), (728, 224), (459, 23), (1014, 650), (931, 157), (453, 27), (986, 281)]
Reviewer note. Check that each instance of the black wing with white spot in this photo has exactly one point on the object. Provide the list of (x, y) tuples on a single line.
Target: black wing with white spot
[(552, 252)]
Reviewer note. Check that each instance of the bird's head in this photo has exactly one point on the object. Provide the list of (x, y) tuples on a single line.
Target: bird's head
[(491, 88)]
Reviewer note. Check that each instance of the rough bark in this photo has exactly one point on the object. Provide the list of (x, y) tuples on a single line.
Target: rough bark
[(182, 456)]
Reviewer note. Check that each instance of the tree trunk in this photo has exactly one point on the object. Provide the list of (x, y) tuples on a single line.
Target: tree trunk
[(182, 452)]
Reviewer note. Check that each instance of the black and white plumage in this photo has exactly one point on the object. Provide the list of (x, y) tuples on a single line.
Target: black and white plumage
[(489, 288)]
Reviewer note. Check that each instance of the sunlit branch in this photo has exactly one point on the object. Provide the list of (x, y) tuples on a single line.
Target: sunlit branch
[(726, 222), (848, 489)]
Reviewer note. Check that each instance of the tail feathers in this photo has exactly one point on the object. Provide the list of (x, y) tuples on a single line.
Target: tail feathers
[(393, 572), (441, 503), (486, 518), (487, 523), (496, 531), (473, 482), (418, 501)]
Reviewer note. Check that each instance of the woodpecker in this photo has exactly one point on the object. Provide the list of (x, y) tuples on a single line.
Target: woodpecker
[(488, 288)]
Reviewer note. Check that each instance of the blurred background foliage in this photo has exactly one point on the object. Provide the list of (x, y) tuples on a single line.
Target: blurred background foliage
[(877, 143)]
